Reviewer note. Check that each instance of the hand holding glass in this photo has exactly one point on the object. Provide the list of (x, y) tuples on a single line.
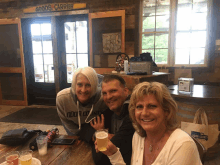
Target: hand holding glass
[(102, 139)]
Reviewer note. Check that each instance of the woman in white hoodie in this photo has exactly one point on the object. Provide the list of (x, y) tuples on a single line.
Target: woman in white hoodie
[(79, 104)]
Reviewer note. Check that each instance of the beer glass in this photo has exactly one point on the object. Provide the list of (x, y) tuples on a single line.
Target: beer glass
[(102, 139), (26, 157), (12, 156)]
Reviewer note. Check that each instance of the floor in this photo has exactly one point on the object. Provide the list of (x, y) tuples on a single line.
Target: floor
[(6, 110)]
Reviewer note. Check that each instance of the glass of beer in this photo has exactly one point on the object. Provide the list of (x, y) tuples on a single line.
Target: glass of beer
[(12, 156), (102, 139), (26, 157)]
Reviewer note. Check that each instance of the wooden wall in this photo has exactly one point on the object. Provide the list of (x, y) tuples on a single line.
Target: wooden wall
[(13, 8)]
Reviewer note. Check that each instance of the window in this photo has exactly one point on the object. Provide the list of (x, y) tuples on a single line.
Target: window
[(76, 46), (42, 52), (175, 31)]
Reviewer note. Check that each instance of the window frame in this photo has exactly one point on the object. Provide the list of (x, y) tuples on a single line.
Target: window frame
[(172, 36)]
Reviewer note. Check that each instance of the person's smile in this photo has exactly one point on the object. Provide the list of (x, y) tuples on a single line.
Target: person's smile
[(149, 114), (83, 88)]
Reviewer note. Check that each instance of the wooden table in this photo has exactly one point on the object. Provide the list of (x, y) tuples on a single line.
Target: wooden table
[(76, 154)]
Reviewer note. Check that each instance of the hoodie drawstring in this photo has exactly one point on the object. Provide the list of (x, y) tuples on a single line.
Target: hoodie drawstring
[(79, 121)]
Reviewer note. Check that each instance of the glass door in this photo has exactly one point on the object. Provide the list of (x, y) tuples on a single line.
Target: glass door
[(72, 46), (42, 52), (41, 46)]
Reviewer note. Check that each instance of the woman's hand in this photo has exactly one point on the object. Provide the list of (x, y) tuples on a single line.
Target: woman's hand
[(111, 148), (97, 124)]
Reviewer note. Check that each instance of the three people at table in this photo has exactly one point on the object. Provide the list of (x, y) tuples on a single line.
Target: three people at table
[(157, 139), (83, 110)]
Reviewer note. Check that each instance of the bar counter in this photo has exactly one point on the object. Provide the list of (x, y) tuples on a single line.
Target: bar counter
[(132, 80), (203, 96)]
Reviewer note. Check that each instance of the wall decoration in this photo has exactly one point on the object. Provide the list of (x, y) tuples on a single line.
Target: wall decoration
[(111, 42)]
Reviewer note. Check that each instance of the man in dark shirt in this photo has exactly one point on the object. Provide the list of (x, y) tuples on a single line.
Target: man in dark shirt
[(116, 119)]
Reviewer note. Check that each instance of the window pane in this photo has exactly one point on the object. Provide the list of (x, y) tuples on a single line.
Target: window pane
[(199, 5), (198, 39), (49, 73), (48, 59), (163, 2), (81, 33), (161, 56), (70, 37), (47, 47), (71, 66), (151, 51), (149, 11), (197, 56), (163, 8), (82, 60), (161, 40), (39, 73), (199, 21), (184, 16), (162, 23), (184, 1), (37, 47), (35, 29), (71, 59), (147, 41), (70, 70), (46, 29), (182, 40), (149, 24), (149, 3), (38, 60), (182, 56)]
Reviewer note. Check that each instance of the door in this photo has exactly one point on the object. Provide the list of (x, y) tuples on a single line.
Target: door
[(12, 69), (72, 39), (53, 50)]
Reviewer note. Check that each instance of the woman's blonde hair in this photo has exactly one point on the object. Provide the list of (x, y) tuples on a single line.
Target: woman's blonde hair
[(90, 74), (162, 95)]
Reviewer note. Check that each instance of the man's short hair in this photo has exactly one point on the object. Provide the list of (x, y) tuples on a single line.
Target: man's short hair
[(111, 77)]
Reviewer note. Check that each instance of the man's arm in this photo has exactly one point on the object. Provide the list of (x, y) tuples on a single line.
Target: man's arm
[(122, 139)]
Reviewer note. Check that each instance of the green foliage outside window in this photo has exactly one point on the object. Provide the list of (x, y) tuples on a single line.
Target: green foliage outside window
[(160, 40)]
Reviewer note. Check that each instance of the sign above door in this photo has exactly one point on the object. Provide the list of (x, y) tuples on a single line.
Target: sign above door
[(55, 7)]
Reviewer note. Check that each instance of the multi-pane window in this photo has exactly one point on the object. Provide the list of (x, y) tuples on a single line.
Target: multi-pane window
[(191, 31), (76, 46), (42, 52), (155, 29), (175, 31)]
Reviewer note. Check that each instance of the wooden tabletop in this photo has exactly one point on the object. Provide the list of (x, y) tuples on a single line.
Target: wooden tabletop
[(78, 153), (154, 74), (200, 92)]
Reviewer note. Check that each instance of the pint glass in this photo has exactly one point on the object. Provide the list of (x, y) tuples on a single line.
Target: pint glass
[(102, 139)]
